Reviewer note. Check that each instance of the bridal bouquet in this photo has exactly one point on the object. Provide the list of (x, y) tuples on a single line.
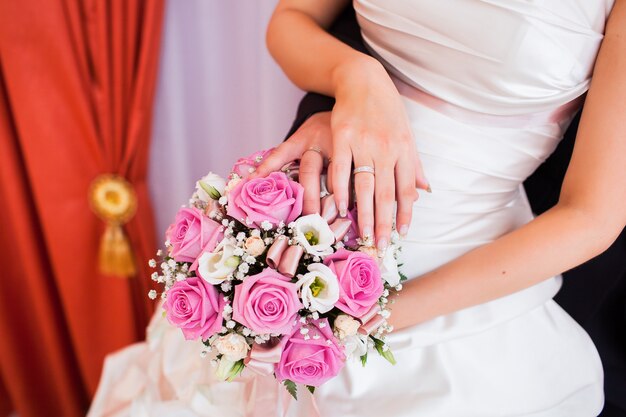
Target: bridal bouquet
[(263, 286)]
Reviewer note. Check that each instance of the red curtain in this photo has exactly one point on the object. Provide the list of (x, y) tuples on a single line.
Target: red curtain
[(77, 80)]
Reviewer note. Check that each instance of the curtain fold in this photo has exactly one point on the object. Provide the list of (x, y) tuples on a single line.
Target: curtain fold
[(77, 82)]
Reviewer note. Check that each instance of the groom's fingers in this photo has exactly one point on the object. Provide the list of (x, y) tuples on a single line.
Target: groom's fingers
[(311, 165), (288, 151)]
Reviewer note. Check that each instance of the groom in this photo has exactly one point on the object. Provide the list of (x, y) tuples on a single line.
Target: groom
[(594, 294)]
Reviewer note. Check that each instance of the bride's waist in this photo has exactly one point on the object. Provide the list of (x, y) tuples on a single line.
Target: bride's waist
[(445, 225)]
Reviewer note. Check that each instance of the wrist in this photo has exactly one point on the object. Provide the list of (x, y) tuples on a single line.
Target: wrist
[(358, 72)]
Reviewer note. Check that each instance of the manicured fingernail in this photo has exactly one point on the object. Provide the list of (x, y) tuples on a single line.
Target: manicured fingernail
[(403, 230), (367, 233), (382, 247), (343, 208), (428, 189)]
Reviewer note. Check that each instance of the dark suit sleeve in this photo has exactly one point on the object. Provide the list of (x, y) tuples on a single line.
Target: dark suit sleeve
[(347, 30)]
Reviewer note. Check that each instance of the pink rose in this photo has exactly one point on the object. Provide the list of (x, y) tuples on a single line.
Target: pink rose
[(274, 198), (195, 306), (311, 361), (266, 303), (360, 282), (191, 233), (246, 166)]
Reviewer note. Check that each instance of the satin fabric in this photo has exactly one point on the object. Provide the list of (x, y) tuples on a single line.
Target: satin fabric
[(489, 88)]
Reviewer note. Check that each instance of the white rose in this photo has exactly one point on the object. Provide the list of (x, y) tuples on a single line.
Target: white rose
[(233, 346), (314, 234), (254, 245), (210, 187), (355, 346), (346, 326), (319, 288), (389, 268), (214, 267)]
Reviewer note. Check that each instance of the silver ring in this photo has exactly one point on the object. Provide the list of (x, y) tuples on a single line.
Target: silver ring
[(314, 149), (363, 168)]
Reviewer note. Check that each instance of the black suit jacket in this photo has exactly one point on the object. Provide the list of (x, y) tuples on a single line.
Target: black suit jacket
[(594, 294)]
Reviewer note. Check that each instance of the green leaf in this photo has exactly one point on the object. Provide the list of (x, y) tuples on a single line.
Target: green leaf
[(364, 359), (291, 388), (402, 276), (235, 371), (388, 355), (210, 190), (311, 389)]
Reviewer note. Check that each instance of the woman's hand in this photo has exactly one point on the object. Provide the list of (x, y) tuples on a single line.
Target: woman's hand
[(370, 127)]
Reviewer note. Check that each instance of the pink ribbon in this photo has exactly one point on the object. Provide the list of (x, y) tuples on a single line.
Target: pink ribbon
[(290, 259), (330, 213), (329, 209), (371, 325), (371, 320), (284, 258), (340, 227), (275, 252), (263, 357)]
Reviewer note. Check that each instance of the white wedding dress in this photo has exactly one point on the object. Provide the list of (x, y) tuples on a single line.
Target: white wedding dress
[(489, 86)]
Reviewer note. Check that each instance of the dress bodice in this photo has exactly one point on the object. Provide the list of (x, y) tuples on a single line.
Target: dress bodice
[(502, 57)]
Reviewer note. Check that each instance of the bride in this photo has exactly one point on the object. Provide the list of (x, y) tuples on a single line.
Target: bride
[(482, 91)]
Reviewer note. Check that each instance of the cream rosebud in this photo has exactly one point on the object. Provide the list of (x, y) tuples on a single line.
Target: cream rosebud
[(254, 245), (232, 183), (210, 187), (346, 326), (232, 346)]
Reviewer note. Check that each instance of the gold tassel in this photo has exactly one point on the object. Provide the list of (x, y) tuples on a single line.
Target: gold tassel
[(113, 199), (116, 256)]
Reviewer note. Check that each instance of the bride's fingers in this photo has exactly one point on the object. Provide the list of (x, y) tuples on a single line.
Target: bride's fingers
[(341, 167), (364, 183), (311, 165), (405, 194), (420, 179), (384, 199)]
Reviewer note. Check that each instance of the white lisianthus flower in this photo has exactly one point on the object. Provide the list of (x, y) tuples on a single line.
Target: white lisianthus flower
[(346, 326), (214, 267), (319, 288), (210, 187), (355, 346), (389, 268), (314, 235)]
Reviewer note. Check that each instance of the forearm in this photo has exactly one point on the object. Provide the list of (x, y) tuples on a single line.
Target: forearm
[(556, 241), (313, 59)]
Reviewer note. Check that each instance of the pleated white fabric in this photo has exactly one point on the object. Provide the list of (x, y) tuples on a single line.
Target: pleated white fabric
[(489, 87)]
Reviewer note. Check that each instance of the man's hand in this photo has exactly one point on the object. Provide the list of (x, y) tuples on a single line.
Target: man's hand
[(311, 143)]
